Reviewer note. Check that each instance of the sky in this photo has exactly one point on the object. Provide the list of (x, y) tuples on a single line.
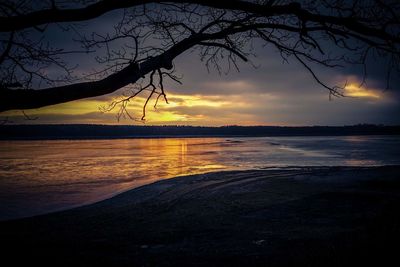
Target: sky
[(272, 93)]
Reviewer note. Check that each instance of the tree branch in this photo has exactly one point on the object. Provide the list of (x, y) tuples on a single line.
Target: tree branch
[(278, 24), (230, 49), (35, 18), (29, 99)]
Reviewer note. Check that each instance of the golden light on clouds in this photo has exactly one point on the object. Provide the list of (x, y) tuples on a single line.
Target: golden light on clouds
[(177, 110), (354, 90), (195, 101), (166, 116), (198, 100), (222, 103), (179, 106), (70, 108), (181, 109)]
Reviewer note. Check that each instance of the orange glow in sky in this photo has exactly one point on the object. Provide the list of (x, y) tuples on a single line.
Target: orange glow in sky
[(242, 103), (355, 90)]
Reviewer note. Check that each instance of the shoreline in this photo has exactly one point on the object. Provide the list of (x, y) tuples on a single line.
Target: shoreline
[(312, 168), (92, 131), (311, 216), (83, 138)]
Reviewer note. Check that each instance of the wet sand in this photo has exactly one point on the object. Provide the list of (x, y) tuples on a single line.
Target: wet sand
[(319, 216)]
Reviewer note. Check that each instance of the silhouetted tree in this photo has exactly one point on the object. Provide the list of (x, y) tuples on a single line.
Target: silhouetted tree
[(140, 51)]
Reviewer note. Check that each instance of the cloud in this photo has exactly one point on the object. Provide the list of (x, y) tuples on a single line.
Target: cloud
[(353, 90), (252, 108), (271, 94)]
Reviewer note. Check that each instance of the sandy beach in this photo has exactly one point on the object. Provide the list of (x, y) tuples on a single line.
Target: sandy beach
[(314, 216)]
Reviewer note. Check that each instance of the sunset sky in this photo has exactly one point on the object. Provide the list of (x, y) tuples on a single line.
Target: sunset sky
[(273, 93)]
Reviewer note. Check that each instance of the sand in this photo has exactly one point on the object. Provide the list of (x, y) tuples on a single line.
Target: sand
[(317, 216)]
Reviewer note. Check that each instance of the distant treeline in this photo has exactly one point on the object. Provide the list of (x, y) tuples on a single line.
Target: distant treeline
[(88, 131)]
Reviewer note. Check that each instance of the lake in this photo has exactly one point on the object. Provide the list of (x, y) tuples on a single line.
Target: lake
[(43, 176)]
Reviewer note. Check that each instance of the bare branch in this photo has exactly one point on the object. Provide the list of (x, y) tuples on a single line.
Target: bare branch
[(149, 35)]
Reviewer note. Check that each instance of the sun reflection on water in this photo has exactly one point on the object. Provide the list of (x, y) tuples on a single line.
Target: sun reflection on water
[(84, 171), (43, 176)]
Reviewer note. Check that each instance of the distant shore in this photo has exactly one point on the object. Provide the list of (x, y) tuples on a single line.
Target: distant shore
[(309, 216), (87, 131)]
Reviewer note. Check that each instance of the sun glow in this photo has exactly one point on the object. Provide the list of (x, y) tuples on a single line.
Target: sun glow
[(194, 101), (180, 108), (354, 90), (166, 116), (71, 108)]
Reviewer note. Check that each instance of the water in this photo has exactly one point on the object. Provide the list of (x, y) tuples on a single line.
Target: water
[(42, 176)]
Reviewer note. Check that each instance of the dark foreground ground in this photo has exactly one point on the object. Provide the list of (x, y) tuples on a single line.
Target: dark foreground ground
[(305, 217)]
